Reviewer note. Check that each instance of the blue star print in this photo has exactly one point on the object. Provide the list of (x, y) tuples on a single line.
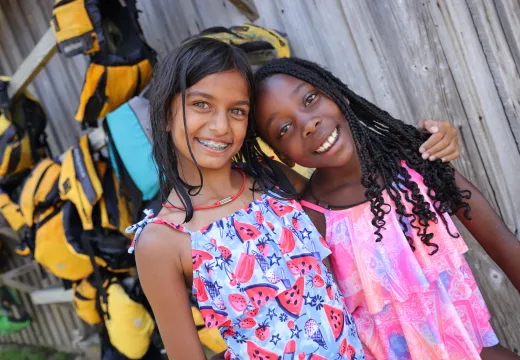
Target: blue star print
[(275, 339), (308, 299), (295, 332), (271, 314), (276, 259), (283, 317), (306, 234)]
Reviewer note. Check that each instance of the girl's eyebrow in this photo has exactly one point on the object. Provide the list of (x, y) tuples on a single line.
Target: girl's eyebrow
[(200, 93), (211, 97), (242, 102), (298, 88)]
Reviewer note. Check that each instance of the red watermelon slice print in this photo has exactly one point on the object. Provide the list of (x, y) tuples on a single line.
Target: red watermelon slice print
[(212, 318), (238, 302), (245, 231), (336, 320), (261, 293), (257, 353), (198, 257), (291, 300), (279, 208), (304, 263)]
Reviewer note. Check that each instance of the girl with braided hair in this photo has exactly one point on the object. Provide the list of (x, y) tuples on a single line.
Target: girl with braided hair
[(385, 211)]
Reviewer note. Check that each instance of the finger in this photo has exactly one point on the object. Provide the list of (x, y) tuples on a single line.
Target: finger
[(439, 146), (428, 126), (450, 149), (451, 157), (430, 143)]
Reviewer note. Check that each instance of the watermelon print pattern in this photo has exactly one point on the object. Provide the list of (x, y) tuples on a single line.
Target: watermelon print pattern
[(258, 277)]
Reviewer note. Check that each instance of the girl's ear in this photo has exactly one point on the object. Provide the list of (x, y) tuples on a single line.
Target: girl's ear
[(285, 159)]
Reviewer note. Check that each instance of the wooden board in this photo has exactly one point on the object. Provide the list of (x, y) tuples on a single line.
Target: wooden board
[(33, 64), (247, 7)]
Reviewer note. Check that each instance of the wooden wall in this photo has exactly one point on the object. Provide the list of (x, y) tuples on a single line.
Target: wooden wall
[(419, 59)]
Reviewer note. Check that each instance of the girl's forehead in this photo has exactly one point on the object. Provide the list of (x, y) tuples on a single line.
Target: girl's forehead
[(281, 84)]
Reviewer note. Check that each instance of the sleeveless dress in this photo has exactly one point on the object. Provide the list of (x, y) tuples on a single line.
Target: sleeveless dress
[(259, 277), (407, 304)]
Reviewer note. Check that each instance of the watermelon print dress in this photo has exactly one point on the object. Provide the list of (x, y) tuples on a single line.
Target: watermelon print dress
[(258, 276), (407, 304)]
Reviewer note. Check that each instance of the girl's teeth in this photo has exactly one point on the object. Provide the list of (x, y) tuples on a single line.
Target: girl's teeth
[(328, 143), (213, 145)]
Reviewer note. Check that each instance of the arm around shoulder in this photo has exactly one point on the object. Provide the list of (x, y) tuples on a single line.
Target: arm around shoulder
[(159, 254), (491, 232)]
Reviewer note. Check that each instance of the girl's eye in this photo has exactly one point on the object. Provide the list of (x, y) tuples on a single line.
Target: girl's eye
[(202, 105), (310, 99), (284, 130), (238, 112)]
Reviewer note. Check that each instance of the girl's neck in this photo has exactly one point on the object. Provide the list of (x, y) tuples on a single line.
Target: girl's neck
[(329, 179), (217, 183)]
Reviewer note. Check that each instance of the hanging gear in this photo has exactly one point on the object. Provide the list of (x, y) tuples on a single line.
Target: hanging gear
[(251, 38), (120, 59), (129, 324), (22, 135), (128, 128), (10, 211), (100, 209), (54, 246)]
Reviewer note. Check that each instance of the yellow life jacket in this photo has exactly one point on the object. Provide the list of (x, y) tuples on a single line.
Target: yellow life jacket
[(10, 211), (55, 246), (120, 59), (22, 135), (85, 301), (129, 324), (100, 209)]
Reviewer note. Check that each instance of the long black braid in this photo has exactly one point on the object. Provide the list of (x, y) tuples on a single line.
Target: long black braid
[(382, 142)]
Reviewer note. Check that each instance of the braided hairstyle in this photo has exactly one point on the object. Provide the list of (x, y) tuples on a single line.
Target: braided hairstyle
[(382, 142)]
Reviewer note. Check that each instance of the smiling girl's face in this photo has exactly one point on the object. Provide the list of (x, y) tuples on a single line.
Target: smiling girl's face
[(302, 124), (217, 109)]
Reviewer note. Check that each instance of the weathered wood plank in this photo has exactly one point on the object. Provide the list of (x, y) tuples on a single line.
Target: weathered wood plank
[(247, 7), (31, 66), (500, 58)]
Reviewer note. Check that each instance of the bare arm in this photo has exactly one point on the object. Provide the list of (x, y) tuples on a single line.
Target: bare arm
[(159, 255), (491, 232)]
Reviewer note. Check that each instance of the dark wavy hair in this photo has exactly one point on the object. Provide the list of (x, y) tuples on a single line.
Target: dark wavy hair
[(181, 69), (382, 142)]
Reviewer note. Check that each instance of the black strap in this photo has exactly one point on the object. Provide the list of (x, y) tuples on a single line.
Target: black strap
[(4, 96), (96, 102), (86, 240), (150, 54)]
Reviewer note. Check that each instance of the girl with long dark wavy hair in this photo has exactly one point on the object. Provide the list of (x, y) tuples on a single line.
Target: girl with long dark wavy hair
[(385, 211)]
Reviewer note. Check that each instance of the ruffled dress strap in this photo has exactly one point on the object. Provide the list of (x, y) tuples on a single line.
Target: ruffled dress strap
[(149, 218)]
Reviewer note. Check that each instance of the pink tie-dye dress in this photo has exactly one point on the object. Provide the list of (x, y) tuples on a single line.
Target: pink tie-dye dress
[(407, 304)]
